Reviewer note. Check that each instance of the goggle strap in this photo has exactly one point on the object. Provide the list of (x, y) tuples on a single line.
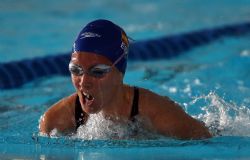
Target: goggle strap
[(118, 59)]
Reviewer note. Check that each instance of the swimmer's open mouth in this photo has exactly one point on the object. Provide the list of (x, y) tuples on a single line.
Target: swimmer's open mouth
[(88, 99), (88, 96)]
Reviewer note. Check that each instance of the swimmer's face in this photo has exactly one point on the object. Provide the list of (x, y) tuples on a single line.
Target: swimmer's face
[(95, 92)]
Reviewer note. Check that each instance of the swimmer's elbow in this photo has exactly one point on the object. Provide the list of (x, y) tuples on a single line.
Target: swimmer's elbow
[(199, 131), (44, 126), (43, 130), (198, 134), (204, 133), (195, 130)]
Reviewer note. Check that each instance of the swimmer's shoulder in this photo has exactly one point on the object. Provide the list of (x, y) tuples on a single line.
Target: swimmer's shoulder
[(159, 109), (66, 104), (59, 116), (152, 102)]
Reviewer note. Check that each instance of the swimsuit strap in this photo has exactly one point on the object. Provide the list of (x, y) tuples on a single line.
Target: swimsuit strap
[(79, 114), (135, 107)]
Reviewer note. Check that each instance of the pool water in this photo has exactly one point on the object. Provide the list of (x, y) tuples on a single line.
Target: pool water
[(211, 83)]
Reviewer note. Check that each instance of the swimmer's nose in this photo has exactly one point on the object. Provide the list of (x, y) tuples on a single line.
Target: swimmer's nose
[(86, 81)]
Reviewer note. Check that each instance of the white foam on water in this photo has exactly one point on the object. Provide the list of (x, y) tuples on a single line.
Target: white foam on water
[(224, 118), (97, 127), (100, 127), (172, 89), (197, 82)]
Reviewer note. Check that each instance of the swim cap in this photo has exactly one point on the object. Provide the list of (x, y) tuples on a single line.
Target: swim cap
[(104, 38)]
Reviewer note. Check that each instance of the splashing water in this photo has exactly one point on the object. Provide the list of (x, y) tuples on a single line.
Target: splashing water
[(97, 127), (100, 127), (224, 118)]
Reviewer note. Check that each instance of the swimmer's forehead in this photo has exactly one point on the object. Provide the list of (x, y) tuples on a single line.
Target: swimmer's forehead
[(89, 59)]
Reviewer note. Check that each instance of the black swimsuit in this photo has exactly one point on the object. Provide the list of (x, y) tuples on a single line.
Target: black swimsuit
[(80, 116)]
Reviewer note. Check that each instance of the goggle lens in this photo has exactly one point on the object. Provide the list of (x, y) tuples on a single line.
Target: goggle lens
[(96, 71)]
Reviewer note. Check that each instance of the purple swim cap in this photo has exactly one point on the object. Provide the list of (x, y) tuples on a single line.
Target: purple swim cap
[(104, 38)]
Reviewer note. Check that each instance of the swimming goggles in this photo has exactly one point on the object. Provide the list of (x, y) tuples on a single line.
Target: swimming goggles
[(97, 71)]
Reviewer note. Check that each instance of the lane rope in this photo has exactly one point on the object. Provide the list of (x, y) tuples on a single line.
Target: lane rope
[(16, 73)]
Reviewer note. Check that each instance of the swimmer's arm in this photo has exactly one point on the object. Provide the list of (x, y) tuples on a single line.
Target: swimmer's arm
[(48, 122), (169, 119), (60, 117), (45, 125), (173, 121)]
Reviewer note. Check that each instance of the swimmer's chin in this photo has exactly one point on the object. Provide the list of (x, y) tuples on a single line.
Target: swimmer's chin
[(91, 111)]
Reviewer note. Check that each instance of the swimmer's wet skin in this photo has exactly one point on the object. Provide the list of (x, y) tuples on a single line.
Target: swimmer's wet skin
[(97, 67)]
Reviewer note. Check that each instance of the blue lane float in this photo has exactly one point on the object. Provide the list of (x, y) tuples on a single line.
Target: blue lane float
[(15, 74)]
